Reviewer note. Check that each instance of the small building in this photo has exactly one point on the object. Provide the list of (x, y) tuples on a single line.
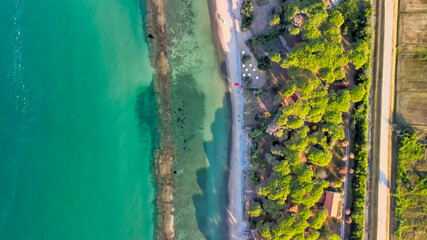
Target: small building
[(332, 200)]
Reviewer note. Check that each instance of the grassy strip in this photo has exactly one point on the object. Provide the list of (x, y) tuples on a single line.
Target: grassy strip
[(360, 163), (411, 189)]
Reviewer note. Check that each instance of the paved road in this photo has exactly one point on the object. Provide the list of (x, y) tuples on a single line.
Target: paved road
[(384, 139)]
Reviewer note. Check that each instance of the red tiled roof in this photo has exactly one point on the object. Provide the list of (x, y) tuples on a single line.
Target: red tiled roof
[(331, 204)]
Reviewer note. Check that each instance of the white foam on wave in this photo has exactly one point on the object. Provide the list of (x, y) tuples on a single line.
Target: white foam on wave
[(15, 76)]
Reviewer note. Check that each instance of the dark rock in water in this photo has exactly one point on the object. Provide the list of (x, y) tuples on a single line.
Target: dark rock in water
[(150, 35), (174, 172)]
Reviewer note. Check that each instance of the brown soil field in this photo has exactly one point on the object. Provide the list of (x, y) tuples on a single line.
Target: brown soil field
[(413, 106), (414, 82), (411, 73), (412, 28), (413, 5)]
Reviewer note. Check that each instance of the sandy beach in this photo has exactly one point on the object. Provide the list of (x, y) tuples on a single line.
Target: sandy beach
[(231, 45), (228, 40)]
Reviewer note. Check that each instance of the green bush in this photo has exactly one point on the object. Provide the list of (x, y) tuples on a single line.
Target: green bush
[(411, 188), (319, 219), (246, 58), (247, 14), (264, 63), (335, 237), (319, 157), (357, 93), (336, 18), (275, 20), (255, 210), (360, 167), (360, 53), (254, 177), (289, 90), (276, 58), (359, 27), (293, 30)]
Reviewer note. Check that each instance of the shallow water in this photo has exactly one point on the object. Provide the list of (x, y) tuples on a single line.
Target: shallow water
[(201, 114), (77, 121)]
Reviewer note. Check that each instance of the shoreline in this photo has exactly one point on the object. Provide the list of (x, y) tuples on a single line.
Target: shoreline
[(227, 44), (164, 156), (223, 69), (228, 58)]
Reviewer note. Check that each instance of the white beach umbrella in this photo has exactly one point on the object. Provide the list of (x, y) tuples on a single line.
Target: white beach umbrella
[(254, 69), (256, 77), (243, 65), (244, 75), (249, 74), (243, 52), (250, 65), (246, 70)]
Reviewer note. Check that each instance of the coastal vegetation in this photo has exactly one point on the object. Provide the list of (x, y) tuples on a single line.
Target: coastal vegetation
[(411, 187), (247, 14), (295, 148), (357, 24)]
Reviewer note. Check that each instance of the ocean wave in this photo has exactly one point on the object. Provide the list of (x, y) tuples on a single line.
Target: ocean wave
[(23, 108)]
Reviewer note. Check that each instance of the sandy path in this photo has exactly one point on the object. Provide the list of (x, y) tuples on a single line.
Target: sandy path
[(228, 39), (384, 153), (232, 41)]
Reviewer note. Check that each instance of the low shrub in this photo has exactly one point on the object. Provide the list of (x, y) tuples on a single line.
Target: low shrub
[(247, 15)]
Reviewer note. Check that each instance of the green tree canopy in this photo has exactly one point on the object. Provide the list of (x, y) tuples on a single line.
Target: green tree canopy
[(333, 117), (357, 93), (289, 90), (275, 20), (313, 235), (276, 189), (339, 102), (276, 58), (247, 14), (293, 30), (319, 219), (336, 18), (255, 210), (335, 131), (359, 55), (335, 237), (319, 157)]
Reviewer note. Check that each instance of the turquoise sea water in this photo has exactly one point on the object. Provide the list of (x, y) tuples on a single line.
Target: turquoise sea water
[(77, 121), (201, 114)]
